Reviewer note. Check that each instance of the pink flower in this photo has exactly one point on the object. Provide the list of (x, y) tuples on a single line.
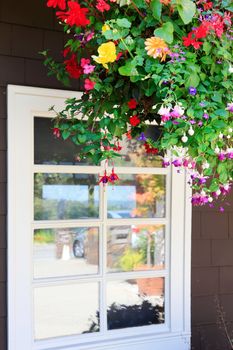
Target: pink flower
[(102, 6), (88, 68), (89, 84), (90, 36), (84, 61)]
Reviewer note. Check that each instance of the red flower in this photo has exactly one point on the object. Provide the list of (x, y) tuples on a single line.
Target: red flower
[(191, 40), (102, 6), (56, 132), (134, 120), (73, 68), (57, 3), (132, 104), (203, 30), (66, 51), (128, 135), (150, 150), (119, 56), (89, 84), (75, 16), (207, 6)]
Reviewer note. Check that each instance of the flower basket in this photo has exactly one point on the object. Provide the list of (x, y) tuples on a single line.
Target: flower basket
[(165, 62)]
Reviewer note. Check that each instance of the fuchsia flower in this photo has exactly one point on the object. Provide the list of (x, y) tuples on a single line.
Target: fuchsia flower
[(230, 107), (56, 132)]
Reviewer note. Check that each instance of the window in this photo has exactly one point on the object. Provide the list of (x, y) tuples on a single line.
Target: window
[(91, 266)]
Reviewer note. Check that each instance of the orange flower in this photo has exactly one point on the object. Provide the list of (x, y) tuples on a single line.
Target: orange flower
[(165, 2), (156, 47)]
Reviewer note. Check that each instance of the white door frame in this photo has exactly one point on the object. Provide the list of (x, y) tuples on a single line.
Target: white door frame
[(23, 104)]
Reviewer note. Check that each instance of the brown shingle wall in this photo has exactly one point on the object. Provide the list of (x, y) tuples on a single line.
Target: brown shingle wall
[(212, 276)]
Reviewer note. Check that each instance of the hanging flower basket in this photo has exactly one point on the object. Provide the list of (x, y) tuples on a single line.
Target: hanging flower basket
[(165, 62)]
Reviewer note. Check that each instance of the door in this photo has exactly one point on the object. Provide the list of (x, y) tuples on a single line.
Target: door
[(91, 267)]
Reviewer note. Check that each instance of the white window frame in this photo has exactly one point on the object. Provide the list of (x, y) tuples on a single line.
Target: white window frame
[(23, 104)]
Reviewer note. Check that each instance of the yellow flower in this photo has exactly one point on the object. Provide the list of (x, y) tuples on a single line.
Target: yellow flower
[(156, 47), (105, 27), (107, 54)]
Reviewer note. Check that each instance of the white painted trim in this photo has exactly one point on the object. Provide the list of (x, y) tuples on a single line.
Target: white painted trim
[(23, 104)]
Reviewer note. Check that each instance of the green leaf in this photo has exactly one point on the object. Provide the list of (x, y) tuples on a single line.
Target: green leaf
[(128, 69), (123, 22), (207, 47), (156, 7), (207, 59), (219, 124), (65, 134), (186, 9), (82, 138), (192, 80), (165, 32)]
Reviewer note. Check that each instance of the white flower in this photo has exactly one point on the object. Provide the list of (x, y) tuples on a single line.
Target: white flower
[(220, 135), (191, 131), (184, 138), (228, 136), (226, 187), (205, 165), (179, 110), (164, 110), (210, 199), (230, 130), (218, 192), (230, 70), (217, 150)]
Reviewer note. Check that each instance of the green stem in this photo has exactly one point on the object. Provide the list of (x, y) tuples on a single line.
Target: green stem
[(127, 48)]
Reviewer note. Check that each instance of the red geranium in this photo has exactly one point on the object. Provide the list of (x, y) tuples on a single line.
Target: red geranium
[(132, 104), (150, 150), (191, 40), (207, 6), (203, 30), (73, 68), (75, 16), (57, 3), (102, 6), (134, 120)]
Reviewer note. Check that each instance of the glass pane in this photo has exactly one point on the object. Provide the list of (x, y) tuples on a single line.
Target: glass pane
[(137, 196), (135, 247), (50, 150), (64, 252), (66, 310), (133, 152), (65, 196), (135, 302)]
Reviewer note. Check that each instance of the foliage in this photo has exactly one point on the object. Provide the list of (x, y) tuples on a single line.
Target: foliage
[(168, 62), (130, 259)]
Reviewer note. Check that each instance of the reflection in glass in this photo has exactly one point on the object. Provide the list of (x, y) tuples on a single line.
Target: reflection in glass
[(64, 252), (135, 247), (51, 150), (137, 196), (133, 152), (134, 303), (65, 196), (65, 310)]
